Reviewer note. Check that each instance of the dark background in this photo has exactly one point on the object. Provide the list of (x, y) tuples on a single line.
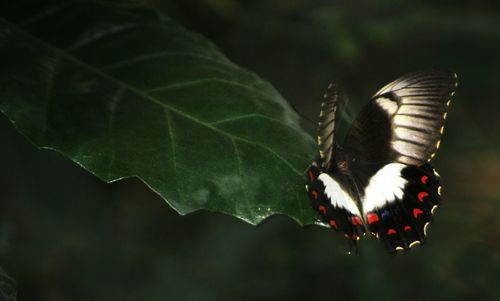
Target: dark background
[(64, 235)]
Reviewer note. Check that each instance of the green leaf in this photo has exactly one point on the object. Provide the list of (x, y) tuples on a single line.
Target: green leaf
[(8, 290), (125, 92)]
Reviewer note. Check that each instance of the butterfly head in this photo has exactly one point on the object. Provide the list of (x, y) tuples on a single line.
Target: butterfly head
[(340, 162)]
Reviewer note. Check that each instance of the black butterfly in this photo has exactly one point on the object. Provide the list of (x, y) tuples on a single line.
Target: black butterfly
[(380, 179)]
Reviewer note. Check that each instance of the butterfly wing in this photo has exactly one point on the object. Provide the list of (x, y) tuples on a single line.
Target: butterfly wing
[(389, 146), (331, 198), (418, 104), (326, 125), (327, 189), (399, 202)]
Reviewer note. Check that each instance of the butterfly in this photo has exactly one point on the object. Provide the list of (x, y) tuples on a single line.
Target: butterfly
[(380, 180)]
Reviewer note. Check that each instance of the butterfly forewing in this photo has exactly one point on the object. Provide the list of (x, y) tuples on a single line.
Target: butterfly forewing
[(419, 104), (326, 125)]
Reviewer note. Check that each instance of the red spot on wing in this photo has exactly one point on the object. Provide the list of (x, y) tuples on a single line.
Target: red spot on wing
[(311, 176), (422, 195), (333, 224), (417, 212), (356, 220), (322, 209), (407, 228), (314, 194), (391, 232), (423, 179), (372, 218)]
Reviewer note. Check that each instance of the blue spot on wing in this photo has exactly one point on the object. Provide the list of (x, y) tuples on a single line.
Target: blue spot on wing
[(385, 214)]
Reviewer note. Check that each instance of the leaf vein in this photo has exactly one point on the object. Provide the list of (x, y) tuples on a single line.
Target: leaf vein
[(155, 55), (46, 13), (115, 101), (109, 32), (240, 173), (172, 142), (202, 81)]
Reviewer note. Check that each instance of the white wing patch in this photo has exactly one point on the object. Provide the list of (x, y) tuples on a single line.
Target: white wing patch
[(390, 106), (417, 105), (384, 187), (338, 197)]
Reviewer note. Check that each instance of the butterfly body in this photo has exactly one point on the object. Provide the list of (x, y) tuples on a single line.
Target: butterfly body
[(379, 180)]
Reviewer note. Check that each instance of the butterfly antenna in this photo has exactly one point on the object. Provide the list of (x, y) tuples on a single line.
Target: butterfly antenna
[(345, 111), (304, 116)]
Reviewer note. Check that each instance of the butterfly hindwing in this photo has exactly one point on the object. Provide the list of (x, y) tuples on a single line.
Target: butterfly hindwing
[(335, 205), (399, 212)]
